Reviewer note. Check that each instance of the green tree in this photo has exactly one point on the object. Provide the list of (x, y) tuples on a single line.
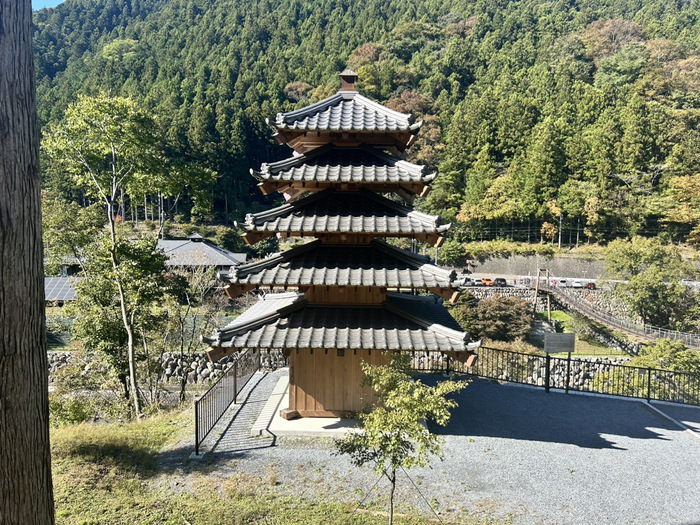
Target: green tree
[(68, 229), (499, 317), (108, 145), (650, 276), (137, 284), (665, 354), (393, 434)]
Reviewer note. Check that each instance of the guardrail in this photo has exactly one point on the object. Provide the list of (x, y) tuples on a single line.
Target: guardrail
[(211, 405), (565, 373)]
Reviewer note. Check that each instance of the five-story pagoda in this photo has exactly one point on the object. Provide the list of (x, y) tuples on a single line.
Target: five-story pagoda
[(352, 297)]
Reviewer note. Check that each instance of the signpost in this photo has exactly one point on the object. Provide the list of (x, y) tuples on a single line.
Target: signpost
[(554, 344)]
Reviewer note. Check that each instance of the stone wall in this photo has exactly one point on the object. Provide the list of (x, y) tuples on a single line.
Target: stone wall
[(194, 369), (582, 374)]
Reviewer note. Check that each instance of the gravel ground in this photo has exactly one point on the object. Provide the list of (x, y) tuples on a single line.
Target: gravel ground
[(511, 455)]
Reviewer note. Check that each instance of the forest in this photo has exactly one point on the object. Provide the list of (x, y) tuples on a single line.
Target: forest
[(571, 120)]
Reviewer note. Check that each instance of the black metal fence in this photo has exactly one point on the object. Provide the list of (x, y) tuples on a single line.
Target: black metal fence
[(582, 375), (209, 408)]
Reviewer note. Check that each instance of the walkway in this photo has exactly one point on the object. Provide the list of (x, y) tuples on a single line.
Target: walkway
[(512, 455)]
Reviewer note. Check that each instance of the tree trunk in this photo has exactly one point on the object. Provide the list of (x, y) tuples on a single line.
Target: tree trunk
[(127, 318), (392, 479), (26, 494), (561, 218)]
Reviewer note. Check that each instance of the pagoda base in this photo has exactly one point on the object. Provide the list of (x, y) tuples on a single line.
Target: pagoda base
[(328, 383), (289, 414)]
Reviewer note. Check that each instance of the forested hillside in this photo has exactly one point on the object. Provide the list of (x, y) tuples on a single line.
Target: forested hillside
[(580, 116)]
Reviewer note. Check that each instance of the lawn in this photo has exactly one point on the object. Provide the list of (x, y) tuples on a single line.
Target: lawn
[(111, 474)]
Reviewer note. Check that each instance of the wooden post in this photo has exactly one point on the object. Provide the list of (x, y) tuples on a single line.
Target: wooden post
[(537, 291)]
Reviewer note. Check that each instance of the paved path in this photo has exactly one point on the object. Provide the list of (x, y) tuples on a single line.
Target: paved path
[(513, 455)]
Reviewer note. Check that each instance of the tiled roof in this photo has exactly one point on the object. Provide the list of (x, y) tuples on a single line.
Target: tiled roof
[(377, 264), (337, 164), (329, 211), (345, 111), (185, 252), (285, 321), (60, 288)]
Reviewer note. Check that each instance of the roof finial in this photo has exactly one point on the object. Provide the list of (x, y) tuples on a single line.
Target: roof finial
[(347, 80)]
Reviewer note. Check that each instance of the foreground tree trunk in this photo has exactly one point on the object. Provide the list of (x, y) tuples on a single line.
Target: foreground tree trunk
[(26, 495)]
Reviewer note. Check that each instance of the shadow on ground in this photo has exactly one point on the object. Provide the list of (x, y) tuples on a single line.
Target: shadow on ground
[(490, 409)]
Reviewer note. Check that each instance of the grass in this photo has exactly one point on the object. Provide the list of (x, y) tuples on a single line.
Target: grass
[(585, 346), (110, 474)]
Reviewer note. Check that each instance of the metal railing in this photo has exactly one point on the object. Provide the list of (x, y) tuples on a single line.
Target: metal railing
[(582, 375), (571, 299), (211, 405)]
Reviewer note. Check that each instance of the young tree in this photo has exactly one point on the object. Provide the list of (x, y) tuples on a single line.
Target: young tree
[(68, 230), (137, 284), (26, 494), (393, 433), (108, 145)]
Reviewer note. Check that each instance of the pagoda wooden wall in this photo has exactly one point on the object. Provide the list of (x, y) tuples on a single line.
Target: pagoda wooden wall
[(323, 383)]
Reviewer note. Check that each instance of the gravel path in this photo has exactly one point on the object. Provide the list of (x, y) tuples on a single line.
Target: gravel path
[(511, 455)]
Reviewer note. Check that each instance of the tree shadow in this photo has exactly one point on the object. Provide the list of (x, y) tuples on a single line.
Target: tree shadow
[(489, 409)]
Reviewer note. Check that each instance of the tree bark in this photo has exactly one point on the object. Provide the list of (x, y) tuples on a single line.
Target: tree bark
[(392, 480), (26, 495)]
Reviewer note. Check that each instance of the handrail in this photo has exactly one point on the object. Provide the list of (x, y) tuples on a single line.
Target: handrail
[(211, 405), (649, 332), (566, 373)]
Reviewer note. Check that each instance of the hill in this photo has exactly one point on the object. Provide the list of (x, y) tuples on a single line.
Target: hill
[(576, 116)]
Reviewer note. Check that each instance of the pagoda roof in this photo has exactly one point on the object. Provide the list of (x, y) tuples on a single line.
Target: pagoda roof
[(330, 211), (347, 110), (285, 321), (333, 164), (314, 263)]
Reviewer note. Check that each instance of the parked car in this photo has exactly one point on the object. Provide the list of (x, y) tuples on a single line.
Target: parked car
[(590, 286), (487, 281), (477, 282), (500, 281), (577, 284), (463, 282), (563, 283)]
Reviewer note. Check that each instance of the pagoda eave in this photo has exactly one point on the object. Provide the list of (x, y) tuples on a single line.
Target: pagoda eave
[(304, 141), (292, 188)]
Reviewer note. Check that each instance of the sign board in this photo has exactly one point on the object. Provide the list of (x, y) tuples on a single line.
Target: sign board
[(556, 343)]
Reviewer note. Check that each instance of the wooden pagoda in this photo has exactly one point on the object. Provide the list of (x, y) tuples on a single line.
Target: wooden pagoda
[(352, 294)]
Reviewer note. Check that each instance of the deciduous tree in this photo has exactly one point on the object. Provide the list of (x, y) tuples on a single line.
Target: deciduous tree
[(393, 434)]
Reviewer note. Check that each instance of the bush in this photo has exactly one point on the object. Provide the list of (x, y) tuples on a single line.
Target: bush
[(499, 318)]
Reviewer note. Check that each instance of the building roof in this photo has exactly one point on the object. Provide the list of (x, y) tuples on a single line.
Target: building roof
[(59, 288), (347, 110), (286, 321), (197, 252), (376, 264), (329, 163), (330, 211)]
